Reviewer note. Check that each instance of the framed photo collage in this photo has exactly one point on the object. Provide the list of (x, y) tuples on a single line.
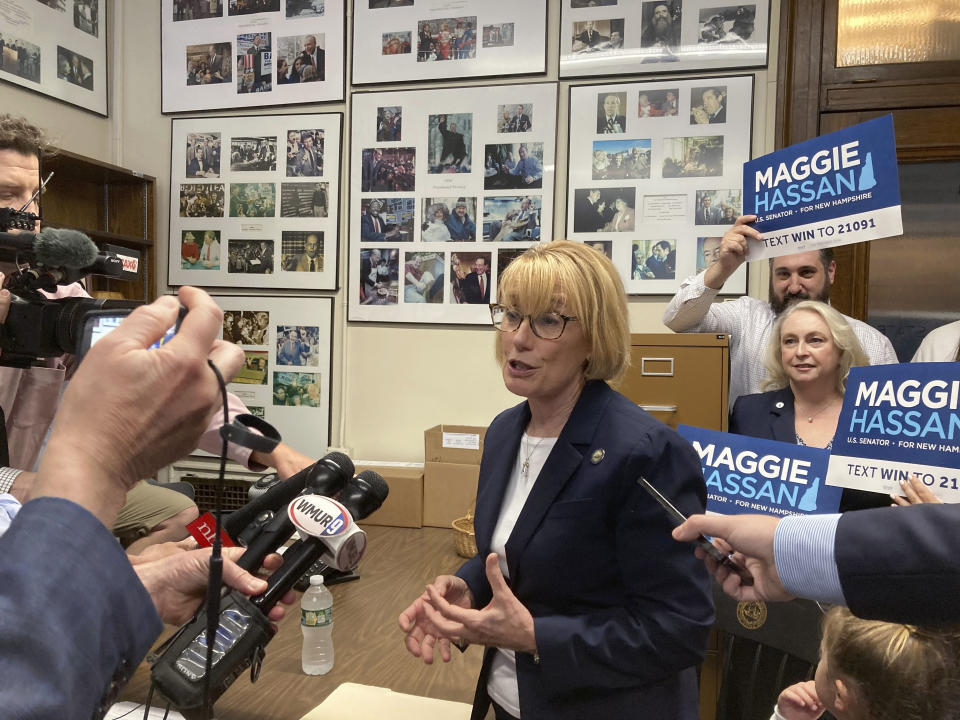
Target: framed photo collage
[(447, 185)]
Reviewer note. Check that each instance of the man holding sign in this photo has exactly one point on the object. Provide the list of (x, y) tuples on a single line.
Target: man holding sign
[(831, 190), (748, 321)]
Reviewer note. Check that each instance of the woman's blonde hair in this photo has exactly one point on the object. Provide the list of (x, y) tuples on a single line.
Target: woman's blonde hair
[(896, 672), (587, 286), (851, 352)]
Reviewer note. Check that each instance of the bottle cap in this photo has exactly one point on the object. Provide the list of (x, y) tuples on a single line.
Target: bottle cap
[(316, 579)]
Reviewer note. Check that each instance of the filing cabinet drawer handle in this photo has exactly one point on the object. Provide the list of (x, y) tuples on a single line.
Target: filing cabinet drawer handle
[(653, 373), (658, 408)]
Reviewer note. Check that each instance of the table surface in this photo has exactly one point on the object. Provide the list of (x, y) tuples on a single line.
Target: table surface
[(368, 644)]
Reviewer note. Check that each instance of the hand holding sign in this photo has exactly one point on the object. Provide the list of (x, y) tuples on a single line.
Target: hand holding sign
[(732, 252), (914, 493)]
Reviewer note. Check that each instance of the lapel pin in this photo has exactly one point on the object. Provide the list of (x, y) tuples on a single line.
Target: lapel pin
[(597, 456), (779, 405)]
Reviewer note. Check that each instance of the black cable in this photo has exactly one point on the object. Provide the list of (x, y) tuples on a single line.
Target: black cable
[(146, 705), (216, 556)]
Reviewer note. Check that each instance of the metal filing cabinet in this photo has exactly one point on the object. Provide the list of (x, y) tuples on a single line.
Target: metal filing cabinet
[(680, 378)]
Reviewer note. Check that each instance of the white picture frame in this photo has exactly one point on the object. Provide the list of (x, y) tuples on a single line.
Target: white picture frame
[(269, 188), (419, 176), (305, 426), (57, 48), (668, 162), (201, 57), (611, 37), (482, 38)]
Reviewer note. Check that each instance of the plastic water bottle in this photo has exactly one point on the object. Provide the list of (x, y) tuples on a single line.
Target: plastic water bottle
[(316, 621)]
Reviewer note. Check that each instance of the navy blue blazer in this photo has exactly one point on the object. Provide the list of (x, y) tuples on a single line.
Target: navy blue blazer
[(770, 415), (621, 611), (901, 564), (75, 621)]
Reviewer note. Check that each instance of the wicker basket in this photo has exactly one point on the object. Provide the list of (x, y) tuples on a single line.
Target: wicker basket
[(464, 538)]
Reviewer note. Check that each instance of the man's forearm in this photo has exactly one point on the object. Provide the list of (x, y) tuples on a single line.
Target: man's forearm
[(716, 276), (689, 307)]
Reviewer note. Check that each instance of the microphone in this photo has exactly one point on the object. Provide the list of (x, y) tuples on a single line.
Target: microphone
[(327, 476), (328, 531), (243, 630), (51, 247)]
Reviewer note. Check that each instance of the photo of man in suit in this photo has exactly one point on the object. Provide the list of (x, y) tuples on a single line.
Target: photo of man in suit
[(609, 118), (520, 122), (257, 49), (371, 168), (712, 110), (309, 159), (476, 285), (707, 214), (310, 261), (372, 226), (586, 211), (314, 57), (590, 36)]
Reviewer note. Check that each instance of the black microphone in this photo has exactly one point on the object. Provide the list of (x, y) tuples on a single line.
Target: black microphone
[(243, 629), (51, 247), (363, 495), (327, 476)]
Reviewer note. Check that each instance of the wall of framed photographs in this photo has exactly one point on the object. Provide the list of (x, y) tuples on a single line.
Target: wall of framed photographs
[(403, 374), (57, 48), (286, 375), (251, 53), (254, 201), (606, 37), (655, 175), (397, 40), (447, 186)]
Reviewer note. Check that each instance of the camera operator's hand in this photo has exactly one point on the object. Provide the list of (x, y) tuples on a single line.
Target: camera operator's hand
[(177, 581), (129, 410)]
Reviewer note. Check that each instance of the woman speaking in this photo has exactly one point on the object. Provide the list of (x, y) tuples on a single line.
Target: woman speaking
[(584, 607)]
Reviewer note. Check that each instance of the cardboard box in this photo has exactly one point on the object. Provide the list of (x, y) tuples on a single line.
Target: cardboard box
[(461, 444), (404, 505), (449, 490)]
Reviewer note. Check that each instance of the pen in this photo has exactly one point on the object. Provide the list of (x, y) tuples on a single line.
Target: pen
[(725, 559)]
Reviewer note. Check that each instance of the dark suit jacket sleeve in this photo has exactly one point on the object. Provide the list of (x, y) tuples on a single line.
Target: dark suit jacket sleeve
[(73, 615), (901, 564)]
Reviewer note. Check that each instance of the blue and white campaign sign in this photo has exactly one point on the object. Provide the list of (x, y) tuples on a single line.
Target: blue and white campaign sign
[(751, 475), (835, 189), (898, 420)]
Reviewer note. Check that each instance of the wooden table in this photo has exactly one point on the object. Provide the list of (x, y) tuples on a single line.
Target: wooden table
[(368, 644)]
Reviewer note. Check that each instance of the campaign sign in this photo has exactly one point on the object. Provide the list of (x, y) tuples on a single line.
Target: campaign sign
[(898, 420), (752, 475), (836, 189)]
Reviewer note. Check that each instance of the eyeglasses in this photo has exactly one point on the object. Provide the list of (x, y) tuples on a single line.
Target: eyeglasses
[(547, 326)]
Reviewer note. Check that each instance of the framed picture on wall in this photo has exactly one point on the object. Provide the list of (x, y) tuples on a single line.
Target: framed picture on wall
[(655, 175), (286, 376), (447, 186), (399, 40), (56, 48), (606, 37), (254, 201), (220, 54)]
